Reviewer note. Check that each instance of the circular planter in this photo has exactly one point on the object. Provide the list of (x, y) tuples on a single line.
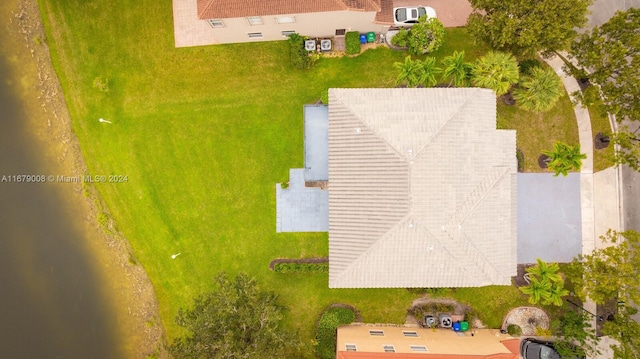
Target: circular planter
[(508, 99), (601, 141), (543, 161)]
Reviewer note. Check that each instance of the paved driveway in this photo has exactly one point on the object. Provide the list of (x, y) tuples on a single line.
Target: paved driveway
[(549, 217)]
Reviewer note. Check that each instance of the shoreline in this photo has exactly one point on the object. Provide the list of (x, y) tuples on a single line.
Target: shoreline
[(125, 283)]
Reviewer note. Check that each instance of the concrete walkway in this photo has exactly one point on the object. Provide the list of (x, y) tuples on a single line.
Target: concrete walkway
[(600, 192)]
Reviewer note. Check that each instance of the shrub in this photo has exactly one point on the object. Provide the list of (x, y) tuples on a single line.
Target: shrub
[(352, 41), (293, 267), (425, 36), (514, 330), (299, 57), (400, 39), (327, 326)]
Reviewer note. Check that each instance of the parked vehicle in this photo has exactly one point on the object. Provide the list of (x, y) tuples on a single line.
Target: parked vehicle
[(407, 16), (538, 349)]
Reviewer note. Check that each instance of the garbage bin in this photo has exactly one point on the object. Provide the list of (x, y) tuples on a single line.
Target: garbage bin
[(363, 38), (464, 326), (371, 37), (456, 326)]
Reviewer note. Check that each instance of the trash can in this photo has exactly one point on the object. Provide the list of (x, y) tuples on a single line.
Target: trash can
[(371, 37), (464, 326), (456, 326), (363, 38)]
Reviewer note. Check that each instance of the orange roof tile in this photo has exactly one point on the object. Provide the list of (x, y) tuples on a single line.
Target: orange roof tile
[(220, 9), (362, 355)]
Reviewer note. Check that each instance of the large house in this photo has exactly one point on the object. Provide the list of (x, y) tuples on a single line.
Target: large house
[(267, 20), (422, 189), (208, 22)]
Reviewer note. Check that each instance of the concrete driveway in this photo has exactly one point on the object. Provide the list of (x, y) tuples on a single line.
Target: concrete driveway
[(549, 217)]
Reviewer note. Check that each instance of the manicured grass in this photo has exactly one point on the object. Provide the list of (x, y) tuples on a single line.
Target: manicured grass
[(537, 132), (600, 123), (203, 134)]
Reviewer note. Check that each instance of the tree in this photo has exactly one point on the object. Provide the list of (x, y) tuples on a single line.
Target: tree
[(235, 320), (457, 70), (428, 72), (564, 158), (409, 72), (527, 27), (611, 272), (610, 55), (546, 286), (626, 331), (539, 91), (577, 338), (628, 150), (425, 36), (497, 71), (416, 72)]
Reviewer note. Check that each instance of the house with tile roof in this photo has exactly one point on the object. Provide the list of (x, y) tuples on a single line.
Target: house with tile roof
[(372, 342), (235, 21), (208, 22), (422, 189)]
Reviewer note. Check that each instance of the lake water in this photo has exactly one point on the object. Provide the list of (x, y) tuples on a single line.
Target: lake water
[(51, 301)]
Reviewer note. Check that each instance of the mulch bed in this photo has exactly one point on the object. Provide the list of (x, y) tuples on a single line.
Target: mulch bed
[(601, 141)]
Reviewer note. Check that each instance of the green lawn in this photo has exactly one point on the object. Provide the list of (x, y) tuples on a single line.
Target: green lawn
[(203, 134), (602, 158)]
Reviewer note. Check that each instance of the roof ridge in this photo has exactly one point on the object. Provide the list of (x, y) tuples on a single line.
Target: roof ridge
[(205, 8), (444, 124), (375, 132)]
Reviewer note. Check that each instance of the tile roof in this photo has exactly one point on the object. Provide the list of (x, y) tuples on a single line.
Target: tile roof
[(360, 355), (422, 189), (221, 9)]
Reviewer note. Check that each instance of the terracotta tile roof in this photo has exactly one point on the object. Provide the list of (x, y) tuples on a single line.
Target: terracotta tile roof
[(221, 9), (361, 355), (512, 344)]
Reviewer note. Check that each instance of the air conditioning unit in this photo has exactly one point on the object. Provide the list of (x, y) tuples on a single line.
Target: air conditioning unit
[(445, 320), (429, 321), (325, 45), (310, 45)]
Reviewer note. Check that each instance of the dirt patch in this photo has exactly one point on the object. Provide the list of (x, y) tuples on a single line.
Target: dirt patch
[(125, 282)]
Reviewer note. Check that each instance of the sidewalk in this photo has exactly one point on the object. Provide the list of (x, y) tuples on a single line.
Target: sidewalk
[(600, 192)]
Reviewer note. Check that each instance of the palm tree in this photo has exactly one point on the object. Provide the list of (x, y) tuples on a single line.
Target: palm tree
[(564, 158), (457, 70), (536, 289), (427, 74), (497, 71), (410, 72), (539, 91), (544, 270), (554, 294)]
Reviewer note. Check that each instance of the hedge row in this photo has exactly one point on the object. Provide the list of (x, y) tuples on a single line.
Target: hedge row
[(352, 41), (327, 330), (301, 267)]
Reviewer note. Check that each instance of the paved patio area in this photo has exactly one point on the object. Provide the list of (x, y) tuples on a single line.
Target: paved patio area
[(300, 208), (316, 143), (549, 217)]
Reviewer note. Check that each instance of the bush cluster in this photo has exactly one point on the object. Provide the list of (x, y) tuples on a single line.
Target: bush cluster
[(327, 330), (300, 58), (301, 267), (352, 41)]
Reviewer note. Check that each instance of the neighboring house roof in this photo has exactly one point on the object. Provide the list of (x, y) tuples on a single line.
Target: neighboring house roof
[(357, 355), (422, 189), (220, 9), (437, 343)]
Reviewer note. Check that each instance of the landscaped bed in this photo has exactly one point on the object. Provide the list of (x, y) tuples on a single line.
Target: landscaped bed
[(203, 133)]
